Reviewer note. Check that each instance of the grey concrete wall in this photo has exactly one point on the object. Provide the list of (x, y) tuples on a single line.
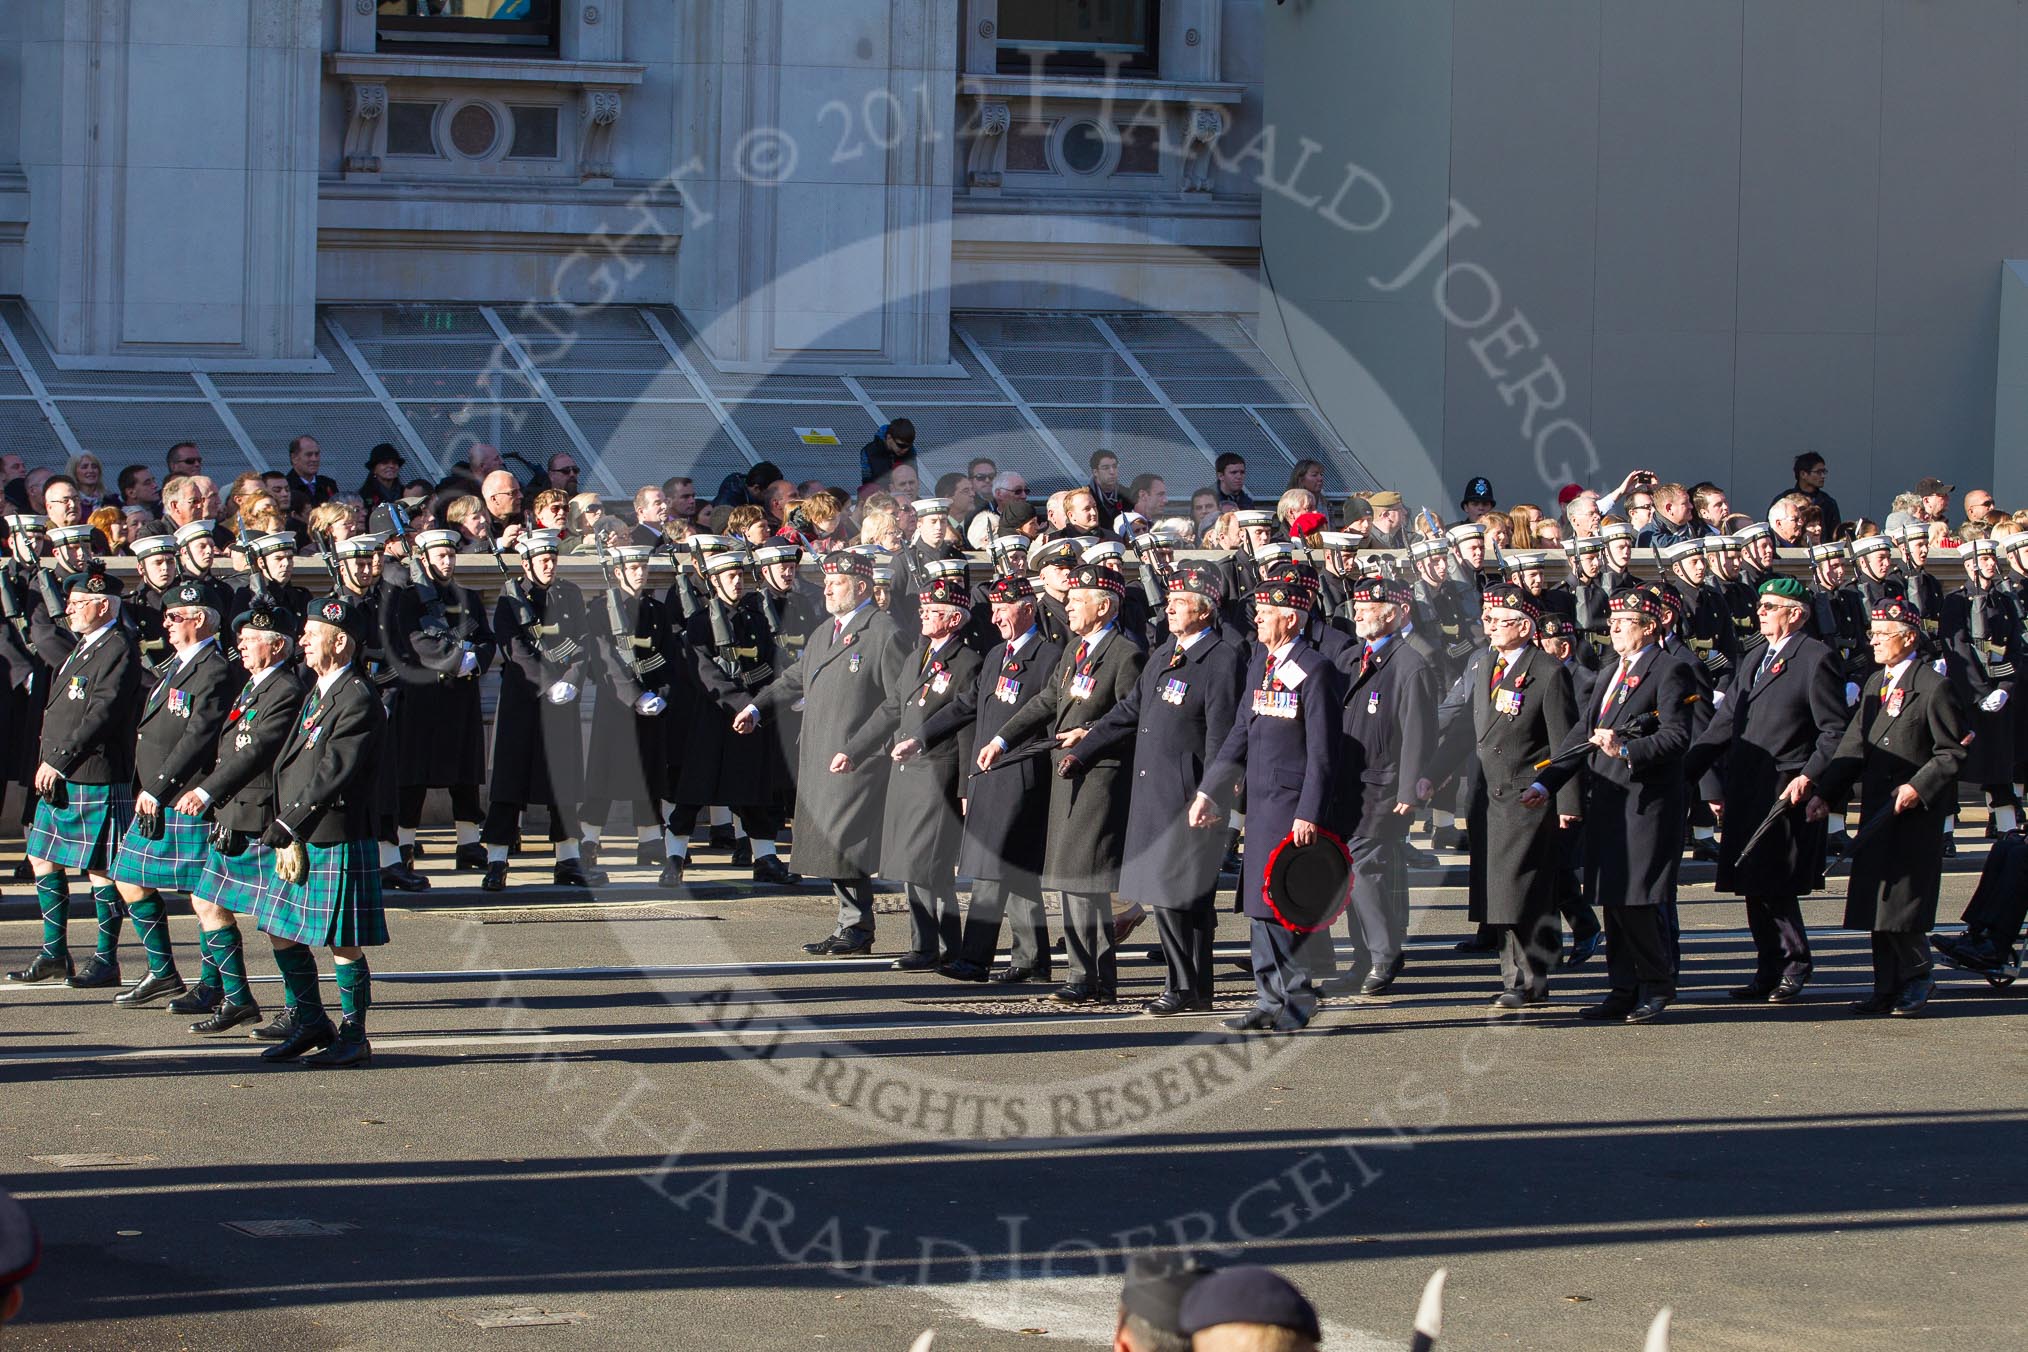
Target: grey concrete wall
[(1732, 230)]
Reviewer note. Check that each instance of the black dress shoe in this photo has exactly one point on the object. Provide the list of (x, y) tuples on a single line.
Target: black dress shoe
[(1705, 850), (1173, 1002), (742, 852), (1478, 943), (1513, 1000), (721, 837), (1451, 838), (228, 1017), (1411, 857), (471, 856), (203, 998), (150, 987), (1015, 976), (1648, 1010), (961, 969), (1950, 847), (1581, 951), (23, 873), (647, 854), (279, 1027), (42, 967), (96, 974), (844, 944), (496, 877), (1752, 990), (1913, 997), (350, 1048), (572, 873), (1786, 991), (1873, 1004), (1076, 993), (311, 1036), (914, 962), (1375, 986), (403, 878), (769, 868), (1613, 1009), (1977, 953), (672, 872), (1253, 1021)]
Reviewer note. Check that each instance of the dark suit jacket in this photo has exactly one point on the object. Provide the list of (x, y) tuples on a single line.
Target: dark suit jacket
[(1287, 764), (1390, 728), (88, 725), (324, 772), (177, 737), (241, 784), (1007, 807)]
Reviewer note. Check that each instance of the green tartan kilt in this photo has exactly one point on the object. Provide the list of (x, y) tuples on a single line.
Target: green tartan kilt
[(84, 833), (235, 881), (337, 906), (175, 862)]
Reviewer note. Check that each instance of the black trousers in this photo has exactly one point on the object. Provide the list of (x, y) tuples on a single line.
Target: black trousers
[(934, 926), (1528, 951), (1781, 946), (1899, 959), (464, 804), (1186, 949), (761, 822), (1638, 950), (1281, 977), (1028, 941), (1088, 940), (503, 822), (855, 903)]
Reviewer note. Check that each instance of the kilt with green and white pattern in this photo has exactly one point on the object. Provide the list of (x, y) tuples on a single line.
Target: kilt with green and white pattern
[(336, 906), (174, 862), (235, 881), (85, 832)]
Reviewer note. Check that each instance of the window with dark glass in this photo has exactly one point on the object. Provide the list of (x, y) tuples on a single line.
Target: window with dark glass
[(469, 27), (1079, 36)]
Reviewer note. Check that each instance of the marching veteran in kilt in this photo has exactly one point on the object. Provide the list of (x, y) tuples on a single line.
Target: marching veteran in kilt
[(239, 797), (325, 891), (84, 778), (1904, 748), (177, 741)]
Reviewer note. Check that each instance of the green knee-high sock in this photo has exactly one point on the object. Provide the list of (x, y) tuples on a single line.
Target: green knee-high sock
[(207, 971), (52, 894), (106, 900), (355, 989), (229, 960), (153, 931), (299, 974)]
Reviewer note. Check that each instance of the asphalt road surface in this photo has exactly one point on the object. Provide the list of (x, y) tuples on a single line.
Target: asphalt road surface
[(653, 1123)]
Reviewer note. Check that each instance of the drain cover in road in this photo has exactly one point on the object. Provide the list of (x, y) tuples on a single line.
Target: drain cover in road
[(527, 1318), (91, 1161), (294, 1228)]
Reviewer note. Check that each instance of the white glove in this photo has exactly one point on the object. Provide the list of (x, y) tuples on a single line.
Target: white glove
[(468, 663), (563, 692), (1994, 702), (1717, 698), (650, 704), (1851, 694)]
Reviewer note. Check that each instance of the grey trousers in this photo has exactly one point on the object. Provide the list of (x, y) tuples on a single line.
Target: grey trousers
[(855, 903), (1088, 940), (1028, 943)]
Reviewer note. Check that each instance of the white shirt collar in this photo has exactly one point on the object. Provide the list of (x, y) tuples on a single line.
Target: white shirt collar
[(1898, 670), (191, 654), (1186, 644), (260, 676), (324, 683), (1093, 642), (1020, 643)]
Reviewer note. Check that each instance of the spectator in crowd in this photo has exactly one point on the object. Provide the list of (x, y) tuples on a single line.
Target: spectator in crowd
[(1674, 520), (1386, 519), (1548, 533), (549, 511), (587, 510), (1008, 486), (903, 482), (382, 484), (333, 523), (559, 472), (32, 485), (1710, 504), (111, 524), (307, 487), (892, 445), (467, 515), (13, 469), (1640, 507), (1293, 503), (957, 489), (1810, 473), (184, 460), (1785, 518), (1105, 486), (682, 495), (880, 526), (1053, 515), (1523, 516), (749, 524), (651, 516), (1478, 499), (501, 493), (1081, 512), (981, 470), (1905, 510), (1204, 510), (748, 489), (1935, 497), (1499, 528), (90, 477), (60, 501), (1149, 495), (1979, 505), (1229, 478), (1581, 511), (484, 459), (1308, 474), (138, 488)]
